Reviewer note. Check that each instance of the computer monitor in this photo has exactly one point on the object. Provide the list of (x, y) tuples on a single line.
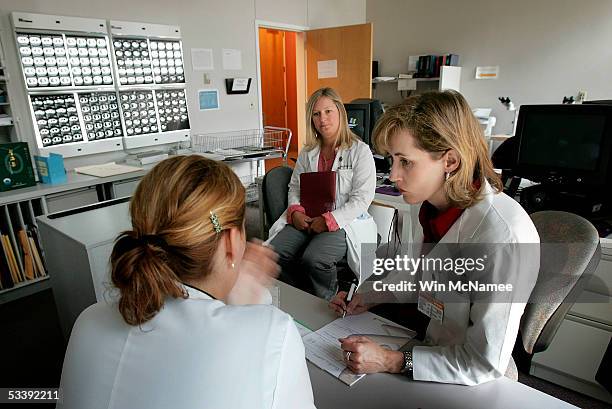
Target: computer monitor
[(567, 145), (599, 102), (363, 115), (358, 116)]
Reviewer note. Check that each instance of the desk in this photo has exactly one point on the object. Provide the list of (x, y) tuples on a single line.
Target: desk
[(397, 202), (395, 391)]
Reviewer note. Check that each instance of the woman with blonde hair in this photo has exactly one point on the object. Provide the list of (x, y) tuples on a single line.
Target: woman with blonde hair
[(172, 340), (441, 166), (310, 245)]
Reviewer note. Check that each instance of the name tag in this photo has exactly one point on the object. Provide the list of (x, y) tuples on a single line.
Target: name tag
[(430, 306)]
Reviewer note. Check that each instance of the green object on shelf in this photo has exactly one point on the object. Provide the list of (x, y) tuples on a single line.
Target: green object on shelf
[(15, 166)]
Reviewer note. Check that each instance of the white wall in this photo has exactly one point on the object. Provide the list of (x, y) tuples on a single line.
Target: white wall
[(204, 24), (546, 49), (325, 13)]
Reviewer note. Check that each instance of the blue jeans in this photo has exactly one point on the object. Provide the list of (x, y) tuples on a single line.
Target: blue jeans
[(308, 261)]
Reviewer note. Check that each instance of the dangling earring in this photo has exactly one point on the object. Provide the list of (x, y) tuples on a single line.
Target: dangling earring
[(233, 266), (447, 176)]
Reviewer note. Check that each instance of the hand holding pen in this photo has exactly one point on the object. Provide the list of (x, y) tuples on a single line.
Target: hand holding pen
[(352, 306)]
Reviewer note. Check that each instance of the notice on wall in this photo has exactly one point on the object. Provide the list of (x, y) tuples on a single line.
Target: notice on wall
[(208, 99), (327, 69), (487, 73), (232, 59), (240, 84), (202, 59)]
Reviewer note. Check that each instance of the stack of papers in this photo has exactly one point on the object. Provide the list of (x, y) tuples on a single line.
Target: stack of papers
[(106, 169), (323, 348)]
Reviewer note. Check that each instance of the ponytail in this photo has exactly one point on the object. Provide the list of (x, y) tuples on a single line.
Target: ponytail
[(140, 271)]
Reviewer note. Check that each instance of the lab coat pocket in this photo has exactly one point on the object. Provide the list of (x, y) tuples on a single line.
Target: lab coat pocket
[(345, 181)]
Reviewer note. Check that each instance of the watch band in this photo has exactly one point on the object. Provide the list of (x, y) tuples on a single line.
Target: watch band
[(407, 367)]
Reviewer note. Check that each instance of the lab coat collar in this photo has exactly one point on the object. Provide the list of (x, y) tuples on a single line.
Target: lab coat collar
[(313, 158), (466, 226), (469, 221)]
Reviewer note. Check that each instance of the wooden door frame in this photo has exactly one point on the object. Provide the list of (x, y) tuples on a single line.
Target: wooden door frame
[(300, 73)]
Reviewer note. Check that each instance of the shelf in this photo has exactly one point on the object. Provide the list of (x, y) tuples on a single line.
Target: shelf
[(4, 103), (24, 289)]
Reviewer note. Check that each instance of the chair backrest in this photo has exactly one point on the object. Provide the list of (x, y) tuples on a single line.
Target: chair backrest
[(275, 186), (570, 253)]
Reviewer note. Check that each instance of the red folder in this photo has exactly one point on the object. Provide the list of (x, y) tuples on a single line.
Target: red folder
[(317, 192)]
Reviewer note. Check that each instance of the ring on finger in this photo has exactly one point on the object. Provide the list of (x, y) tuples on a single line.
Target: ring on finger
[(348, 356)]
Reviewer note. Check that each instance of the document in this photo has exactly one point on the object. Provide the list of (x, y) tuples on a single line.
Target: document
[(106, 169), (323, 348)]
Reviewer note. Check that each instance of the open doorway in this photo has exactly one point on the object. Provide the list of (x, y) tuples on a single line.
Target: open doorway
[(279, 84)]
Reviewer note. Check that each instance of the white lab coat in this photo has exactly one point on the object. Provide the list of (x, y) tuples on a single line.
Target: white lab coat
[(355, 189), (474, 342), (195, 353)]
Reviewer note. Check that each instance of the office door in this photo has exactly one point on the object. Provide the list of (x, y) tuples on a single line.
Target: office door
[(349, 49), (273, 79)]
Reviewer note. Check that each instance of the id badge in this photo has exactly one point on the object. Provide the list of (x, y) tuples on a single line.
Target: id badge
[(430, 306)]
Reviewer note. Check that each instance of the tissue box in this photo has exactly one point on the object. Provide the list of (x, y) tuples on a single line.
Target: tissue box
[(51, 169), (15, 166)]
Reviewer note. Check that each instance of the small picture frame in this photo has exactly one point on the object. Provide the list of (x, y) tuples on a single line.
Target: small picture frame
[(208, 99)]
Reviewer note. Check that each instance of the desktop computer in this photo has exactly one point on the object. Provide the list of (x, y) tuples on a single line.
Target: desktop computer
[(567, 150)]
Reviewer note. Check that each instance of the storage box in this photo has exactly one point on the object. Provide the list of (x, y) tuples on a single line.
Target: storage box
[(15, 166), (51, 169)]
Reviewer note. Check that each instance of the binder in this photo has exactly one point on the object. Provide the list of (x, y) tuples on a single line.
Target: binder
[(318, 192), (28, 258)]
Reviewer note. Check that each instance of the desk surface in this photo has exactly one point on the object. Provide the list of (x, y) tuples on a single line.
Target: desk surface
[(394, 391)]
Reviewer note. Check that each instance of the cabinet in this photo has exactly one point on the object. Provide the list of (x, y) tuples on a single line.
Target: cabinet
[(20, 210), (450, 78), (83, 278)]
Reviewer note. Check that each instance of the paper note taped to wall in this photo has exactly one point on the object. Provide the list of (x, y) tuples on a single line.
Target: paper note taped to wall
[(202, 59), (232, 59), (327, 69), (487, 73)]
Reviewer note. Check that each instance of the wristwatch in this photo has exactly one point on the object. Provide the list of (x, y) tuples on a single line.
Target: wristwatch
[(407, 367)]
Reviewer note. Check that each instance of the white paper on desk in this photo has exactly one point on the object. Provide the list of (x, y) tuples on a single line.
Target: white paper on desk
[(323, 348), (106, 169)]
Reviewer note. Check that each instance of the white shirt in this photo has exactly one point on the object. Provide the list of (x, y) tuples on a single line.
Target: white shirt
[(473, 343), (355, 189), (195, 353)]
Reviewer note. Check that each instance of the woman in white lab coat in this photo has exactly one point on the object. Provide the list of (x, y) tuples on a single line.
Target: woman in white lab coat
[(441, 166), (310, 247), (171, 340)]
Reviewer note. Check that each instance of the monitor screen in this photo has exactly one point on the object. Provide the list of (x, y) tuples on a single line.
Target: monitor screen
[(358, 117), (564, 143)]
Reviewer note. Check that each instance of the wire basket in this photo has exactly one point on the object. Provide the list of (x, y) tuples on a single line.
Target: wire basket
[(243, 143), (250, 187)]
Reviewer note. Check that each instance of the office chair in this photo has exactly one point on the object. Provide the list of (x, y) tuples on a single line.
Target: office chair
[(561, 279), (273, 194)]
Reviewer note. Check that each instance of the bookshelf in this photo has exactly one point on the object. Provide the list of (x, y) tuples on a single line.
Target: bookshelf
[(20, 209), (450, 78)]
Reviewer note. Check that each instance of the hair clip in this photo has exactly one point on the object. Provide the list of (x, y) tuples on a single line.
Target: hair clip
[(214, 219)]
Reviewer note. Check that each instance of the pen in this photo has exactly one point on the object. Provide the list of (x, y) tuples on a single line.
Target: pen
[(349, 297)]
